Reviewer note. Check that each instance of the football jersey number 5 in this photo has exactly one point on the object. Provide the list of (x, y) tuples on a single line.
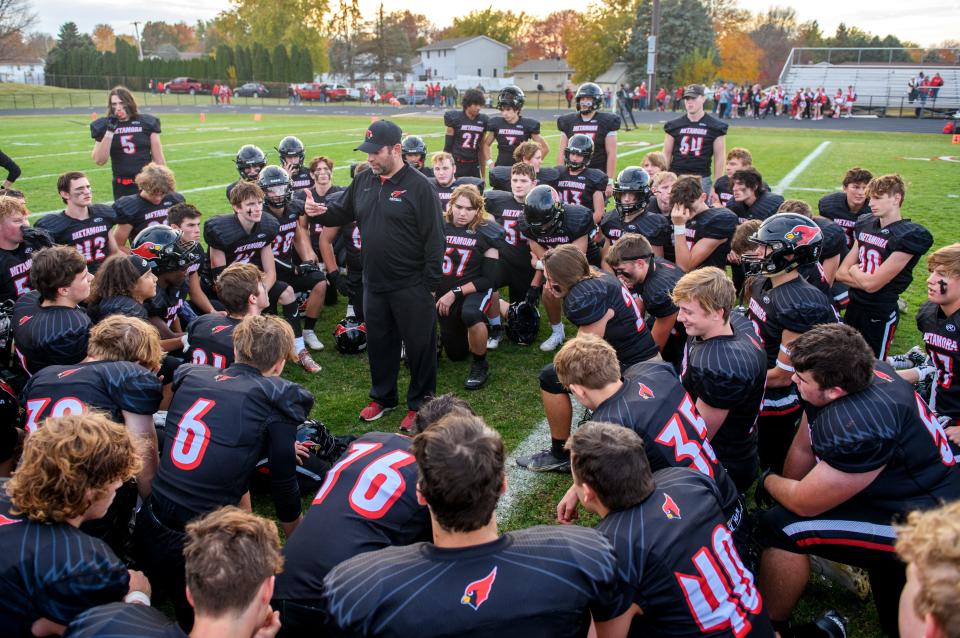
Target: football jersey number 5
[(379, 485)]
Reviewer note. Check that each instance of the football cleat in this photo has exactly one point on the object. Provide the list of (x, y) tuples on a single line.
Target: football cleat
[(910, 359), (554, 341), (544, 461)]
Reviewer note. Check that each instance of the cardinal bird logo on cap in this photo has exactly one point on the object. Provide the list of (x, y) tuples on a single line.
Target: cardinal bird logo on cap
[(644, 392), (670, 508), (477, 592), (803, 234), (369, 134)]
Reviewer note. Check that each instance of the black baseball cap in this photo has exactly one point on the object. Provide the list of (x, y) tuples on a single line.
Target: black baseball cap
[(694, 90), (379, 134)]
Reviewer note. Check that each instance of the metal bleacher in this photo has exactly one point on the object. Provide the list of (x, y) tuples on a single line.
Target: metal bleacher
[(881, 85)]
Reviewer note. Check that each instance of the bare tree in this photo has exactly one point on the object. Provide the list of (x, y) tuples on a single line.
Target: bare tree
[(16, 17)]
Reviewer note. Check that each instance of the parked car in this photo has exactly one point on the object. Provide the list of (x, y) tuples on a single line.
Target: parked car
[(186, 85), (309, 91), (251, 89), (337, 92)]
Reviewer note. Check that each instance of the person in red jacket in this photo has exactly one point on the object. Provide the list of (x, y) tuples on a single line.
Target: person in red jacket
[(661, 98)]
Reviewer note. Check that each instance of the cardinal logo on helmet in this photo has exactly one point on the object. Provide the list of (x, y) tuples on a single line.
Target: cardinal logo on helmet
[(148, 250), (670, 507), (477, 592), (803, 235)]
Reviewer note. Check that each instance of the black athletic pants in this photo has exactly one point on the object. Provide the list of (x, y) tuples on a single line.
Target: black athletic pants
[(124, 186), (464, 313), (406, 316), (158, 540), (877, 325), (467, 169)]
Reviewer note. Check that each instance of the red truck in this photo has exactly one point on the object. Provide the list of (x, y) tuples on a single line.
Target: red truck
[(186, 85)]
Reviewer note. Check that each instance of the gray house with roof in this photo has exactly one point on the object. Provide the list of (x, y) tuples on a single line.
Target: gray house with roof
[(475, 56), (551, 74)]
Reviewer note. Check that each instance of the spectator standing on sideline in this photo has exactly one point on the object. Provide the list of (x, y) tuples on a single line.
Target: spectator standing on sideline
[(696, 140), (935, 83), (661, 99), (643, 93), (398, 214), (569, 95), (216, 93)]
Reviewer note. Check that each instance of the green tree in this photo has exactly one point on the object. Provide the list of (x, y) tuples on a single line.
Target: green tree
[(73, 53), (602, 38), (386, 47), (261, 63), (775, 33), (696, 66), (224, 61), (503, 26), (683, 24), (346, 32), (244, 64)]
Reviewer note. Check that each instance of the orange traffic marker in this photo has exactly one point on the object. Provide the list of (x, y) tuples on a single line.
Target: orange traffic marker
[(203, 118)]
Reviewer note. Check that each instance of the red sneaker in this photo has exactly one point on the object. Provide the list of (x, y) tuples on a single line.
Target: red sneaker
[(374, 411), (407, 424)]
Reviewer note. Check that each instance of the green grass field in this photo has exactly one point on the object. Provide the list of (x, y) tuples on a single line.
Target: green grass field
[(201, 155)]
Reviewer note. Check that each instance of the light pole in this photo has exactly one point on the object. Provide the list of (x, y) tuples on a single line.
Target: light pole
[(652, 51), (136, 29)]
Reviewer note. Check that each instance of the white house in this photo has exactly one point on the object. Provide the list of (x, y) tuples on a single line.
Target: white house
[(457, 58), (551, 74), (21, 71)]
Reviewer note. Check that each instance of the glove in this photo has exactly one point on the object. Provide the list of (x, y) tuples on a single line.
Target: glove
[(36, 237), (112, 123), (308, 267), (339, 282), (533, 295), (761, 496)]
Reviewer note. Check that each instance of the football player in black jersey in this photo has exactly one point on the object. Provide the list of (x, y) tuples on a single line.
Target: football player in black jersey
[(872, 453), (219, 424), (126, 137), (737, 159), (83, 225), (49, 327), (250, 160), (510, 129), (415, 154), (231, 559), (724, 369), (291, 252), (528, 152), (292, 156), (879, 267), (17, 245), (661, 185), (547, 223), (118, 377), (241, 291), (70, 470), (598, 304), (121, 287), (846, 206), (465, 129), (929, 604), (445, 178), (474, 576), (470, 265), (158, 192), (674, 551), (938, 321), (631, 192), (344, 520), (649, 399), (782, 306), (696, 140), (752, 199), (600, 127), (822, 274), (186, 218), (514, 268), (169, 259), (702, 234), (651, 279), (577, 183)]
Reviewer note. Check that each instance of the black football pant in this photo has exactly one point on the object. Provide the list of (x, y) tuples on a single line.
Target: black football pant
[(158, 540), (775, 434), (466, 169), (406, 316), (124, 186), (355, 281), (877, 325), (464, 313), (516, 277)]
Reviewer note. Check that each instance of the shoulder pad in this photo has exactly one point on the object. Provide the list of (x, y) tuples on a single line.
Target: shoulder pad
[(492, 231)]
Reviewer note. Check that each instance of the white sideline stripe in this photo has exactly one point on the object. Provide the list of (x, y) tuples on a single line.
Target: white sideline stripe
[(640, 150), (790, 177), (521, 482), (813, 190)]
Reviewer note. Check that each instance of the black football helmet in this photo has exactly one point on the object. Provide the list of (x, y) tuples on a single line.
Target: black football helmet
[(250, 161), (291, 146), (350, 336), (794, 240), (523, 323), (511, 96), (275, 183), (161, 246), (413, 145), (592, 95), (582, 145), (632, 179), (543, 210)]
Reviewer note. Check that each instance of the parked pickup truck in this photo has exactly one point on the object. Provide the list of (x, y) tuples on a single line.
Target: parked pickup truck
[(186, 85)]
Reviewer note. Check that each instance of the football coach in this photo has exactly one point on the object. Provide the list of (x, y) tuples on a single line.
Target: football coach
[(401, 229)]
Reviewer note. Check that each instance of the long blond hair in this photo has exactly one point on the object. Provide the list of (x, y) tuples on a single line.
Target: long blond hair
[(472, 193)]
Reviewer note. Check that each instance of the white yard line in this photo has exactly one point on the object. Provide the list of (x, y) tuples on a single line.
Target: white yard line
[(813, 190), (791, 177), (645, 149)]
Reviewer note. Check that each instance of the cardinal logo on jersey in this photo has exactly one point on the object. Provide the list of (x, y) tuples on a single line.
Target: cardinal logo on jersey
[(644, 392), (885, 377), (803, 234), (67, 373), (217, 329), (223, 377), (7, 521), (25, 319), (670, 508), (477, 592)]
